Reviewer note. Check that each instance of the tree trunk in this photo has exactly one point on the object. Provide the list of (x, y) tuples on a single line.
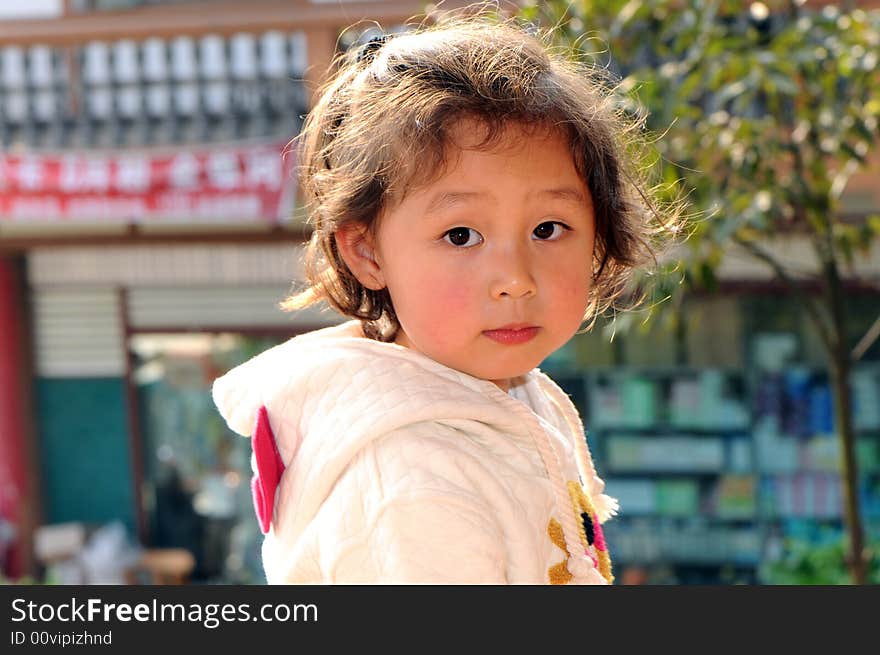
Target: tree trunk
[(840, 369)]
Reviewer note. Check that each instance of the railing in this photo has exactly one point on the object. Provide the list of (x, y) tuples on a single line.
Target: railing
[(209, 88), (174, 73)]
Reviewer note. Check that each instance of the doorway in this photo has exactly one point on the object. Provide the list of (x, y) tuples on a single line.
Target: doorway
[(195, 471)]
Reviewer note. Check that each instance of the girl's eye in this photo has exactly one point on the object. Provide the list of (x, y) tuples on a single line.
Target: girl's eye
[(546, 231), (458, 236)]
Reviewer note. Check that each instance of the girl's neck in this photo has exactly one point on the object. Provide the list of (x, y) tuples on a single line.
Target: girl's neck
[(402, 340)]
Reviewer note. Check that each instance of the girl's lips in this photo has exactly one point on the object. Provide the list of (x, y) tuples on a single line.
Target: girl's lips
[(512, 336)]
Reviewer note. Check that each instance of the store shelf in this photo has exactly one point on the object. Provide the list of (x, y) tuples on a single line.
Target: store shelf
[(707, 519), (661, 429), (691, 562), (672, 473), (760, 433)]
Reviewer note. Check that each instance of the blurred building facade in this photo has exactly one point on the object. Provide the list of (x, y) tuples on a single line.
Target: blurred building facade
[(149, 227), (143, 191)]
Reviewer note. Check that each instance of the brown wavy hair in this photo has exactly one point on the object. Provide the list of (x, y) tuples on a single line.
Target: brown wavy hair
[(381, 127)]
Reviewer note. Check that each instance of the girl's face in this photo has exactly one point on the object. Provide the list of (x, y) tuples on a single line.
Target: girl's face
[(504, 237)]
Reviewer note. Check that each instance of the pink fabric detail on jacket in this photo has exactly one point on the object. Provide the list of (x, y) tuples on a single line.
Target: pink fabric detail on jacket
[(598, 537), (269, 470)]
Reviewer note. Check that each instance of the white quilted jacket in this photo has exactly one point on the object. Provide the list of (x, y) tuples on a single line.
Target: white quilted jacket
[(401, 470)]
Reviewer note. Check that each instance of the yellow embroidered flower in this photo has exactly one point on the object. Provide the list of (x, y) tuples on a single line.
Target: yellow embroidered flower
[(592, 538)]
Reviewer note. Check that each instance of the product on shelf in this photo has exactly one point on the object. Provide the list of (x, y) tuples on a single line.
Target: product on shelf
[(678, 497), (866, 399), (735, 497), (625, 401), (702, 403), (739, 455), (635, 495), (807, 495), (655, 453), (775, 453), (773, 351)]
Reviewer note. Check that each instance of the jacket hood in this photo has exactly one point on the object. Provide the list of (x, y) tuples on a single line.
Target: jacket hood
[(331, 383)]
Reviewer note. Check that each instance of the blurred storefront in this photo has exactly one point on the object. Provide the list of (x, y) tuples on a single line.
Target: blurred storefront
[(718, 440), (149, 227)]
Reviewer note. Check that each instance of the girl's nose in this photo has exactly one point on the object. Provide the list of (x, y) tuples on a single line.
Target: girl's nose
[(512, 277)]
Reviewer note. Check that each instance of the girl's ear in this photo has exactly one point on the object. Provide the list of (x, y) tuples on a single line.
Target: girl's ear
[(356, 247)]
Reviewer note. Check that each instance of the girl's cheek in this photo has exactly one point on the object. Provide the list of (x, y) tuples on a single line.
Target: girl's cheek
[(572, 289), (451, 297), (450, 306)]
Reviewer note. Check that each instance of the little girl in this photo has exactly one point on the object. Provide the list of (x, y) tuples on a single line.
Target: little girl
[(472, 206)]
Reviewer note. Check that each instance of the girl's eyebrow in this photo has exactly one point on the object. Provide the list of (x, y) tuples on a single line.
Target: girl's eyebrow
[(570, 194), (447, 199)]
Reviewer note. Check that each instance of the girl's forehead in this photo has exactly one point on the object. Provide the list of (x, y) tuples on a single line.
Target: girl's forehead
[(475, 135), (470, 161)]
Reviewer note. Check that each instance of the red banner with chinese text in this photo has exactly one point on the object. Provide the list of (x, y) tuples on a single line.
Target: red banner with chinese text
[(204, 184)]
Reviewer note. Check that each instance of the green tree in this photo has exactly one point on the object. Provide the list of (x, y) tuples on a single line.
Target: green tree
[(764, 115)]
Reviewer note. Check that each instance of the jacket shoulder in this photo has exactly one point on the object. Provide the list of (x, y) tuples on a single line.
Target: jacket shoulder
[(415, 506)]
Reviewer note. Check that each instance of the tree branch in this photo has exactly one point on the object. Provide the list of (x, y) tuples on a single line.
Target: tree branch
[(695, 52), (866, 341), (814, 309)]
